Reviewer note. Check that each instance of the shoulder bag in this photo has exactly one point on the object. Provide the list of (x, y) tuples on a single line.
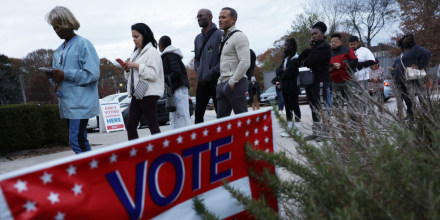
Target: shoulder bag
[(411, 73)]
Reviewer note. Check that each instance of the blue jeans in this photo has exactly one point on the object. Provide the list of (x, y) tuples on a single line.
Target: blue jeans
[(280, 100), (78, 135)]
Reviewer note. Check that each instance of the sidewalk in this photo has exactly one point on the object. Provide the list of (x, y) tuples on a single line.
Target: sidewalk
[(102, 140)]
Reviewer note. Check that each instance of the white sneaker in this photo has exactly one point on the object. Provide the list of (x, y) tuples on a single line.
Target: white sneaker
[(284, 134)]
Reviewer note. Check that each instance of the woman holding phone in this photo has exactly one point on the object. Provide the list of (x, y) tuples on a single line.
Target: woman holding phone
[(145, 80)]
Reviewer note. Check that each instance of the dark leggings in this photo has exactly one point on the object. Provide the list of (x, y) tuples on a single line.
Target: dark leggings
[(146, 107), (290, 95), (314, 93)]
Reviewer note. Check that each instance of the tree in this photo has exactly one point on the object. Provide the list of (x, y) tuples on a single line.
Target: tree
[(369, 17), (300, 30), (331, 12), (38, 87), (9, 86), (111, 78), (422, 18), (192, 77)]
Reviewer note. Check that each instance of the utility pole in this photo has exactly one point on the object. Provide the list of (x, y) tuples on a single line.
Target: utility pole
[(22, 88)]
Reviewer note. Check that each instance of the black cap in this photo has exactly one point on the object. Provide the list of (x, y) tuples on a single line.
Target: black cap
[(321, 26)]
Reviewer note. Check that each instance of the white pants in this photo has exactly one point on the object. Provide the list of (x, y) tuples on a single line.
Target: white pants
[(180, 118)]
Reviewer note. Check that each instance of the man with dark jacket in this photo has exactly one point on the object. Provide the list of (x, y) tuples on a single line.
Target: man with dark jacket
[(206, 62), (177, 81), (317, 57), (341, 79)]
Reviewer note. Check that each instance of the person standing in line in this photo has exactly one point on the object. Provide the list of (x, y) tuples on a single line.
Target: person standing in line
[(277, 82), (206, 63), (288, 73), (365, 59), (177, 80), (75, 73), (317, 57), (377, 77), (341, 79), (413, 56), (254, 93), (234, 63), (144, 68)]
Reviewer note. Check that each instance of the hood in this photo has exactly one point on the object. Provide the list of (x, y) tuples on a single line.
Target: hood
[(172, 49)]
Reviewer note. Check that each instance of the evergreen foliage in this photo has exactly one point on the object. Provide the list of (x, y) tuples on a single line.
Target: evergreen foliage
[(371, 166)]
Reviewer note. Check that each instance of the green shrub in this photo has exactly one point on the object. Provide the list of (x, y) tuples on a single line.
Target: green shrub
[(30, 126), (372, 166)]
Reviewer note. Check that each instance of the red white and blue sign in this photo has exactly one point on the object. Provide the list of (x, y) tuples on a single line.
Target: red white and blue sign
[(150, 178)]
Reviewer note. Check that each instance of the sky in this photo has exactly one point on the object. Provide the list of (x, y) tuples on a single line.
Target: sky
[(107, 23)]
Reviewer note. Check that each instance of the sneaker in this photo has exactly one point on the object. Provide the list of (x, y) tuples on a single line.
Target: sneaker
[(284, 134), (310, 137)]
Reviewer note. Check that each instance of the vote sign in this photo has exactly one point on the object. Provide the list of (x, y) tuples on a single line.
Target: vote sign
[(150, 178)]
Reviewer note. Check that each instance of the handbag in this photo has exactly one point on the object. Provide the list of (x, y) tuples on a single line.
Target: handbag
[(411, 73), (305, 77), (170, 104), (141, 89)]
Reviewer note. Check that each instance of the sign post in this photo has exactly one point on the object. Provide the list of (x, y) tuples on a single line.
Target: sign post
[(110, 117)]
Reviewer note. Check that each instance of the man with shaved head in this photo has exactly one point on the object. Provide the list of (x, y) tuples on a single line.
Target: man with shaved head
[(206, 62)]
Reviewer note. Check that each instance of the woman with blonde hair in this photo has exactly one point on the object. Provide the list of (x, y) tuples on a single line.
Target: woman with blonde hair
[(145, 80), (75, 73)]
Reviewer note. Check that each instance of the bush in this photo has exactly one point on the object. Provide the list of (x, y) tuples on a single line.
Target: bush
[(30, 127), (372, 166)]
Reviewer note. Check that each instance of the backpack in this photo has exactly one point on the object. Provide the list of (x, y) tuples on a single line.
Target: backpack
[(253, 58)]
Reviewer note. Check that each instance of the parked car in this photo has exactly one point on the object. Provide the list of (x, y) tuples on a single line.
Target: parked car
[(94, 121), (162, 115), (269, 96), (302, 97), (387, 90)]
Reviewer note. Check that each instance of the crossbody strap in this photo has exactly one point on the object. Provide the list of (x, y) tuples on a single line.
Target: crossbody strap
[(401, 55), (208, 35), (226, 39)]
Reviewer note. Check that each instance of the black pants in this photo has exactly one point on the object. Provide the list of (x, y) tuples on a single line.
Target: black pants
[(408, 91), (314, 93), (146, 107), (290, 91), (203, 94)]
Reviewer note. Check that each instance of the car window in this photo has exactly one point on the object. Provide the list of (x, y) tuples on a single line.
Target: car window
[(270, 90), (121, 98)]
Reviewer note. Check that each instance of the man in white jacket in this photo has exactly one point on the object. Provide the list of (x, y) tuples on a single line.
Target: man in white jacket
[(234, 63)]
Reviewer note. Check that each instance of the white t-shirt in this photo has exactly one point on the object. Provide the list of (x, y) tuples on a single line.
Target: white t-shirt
[(363, 54)]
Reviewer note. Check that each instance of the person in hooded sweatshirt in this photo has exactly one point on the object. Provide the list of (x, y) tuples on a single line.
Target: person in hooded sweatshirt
[(177, 80), (288, 72)]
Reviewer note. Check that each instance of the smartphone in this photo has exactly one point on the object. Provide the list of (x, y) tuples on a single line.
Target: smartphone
[(120, 62), (47, 70)]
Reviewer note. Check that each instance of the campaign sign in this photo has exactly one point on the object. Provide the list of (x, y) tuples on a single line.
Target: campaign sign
[(111, 115), (150, 178)]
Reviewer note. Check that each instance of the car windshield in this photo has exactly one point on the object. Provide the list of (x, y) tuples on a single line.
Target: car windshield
[(120, 97), (270, 90), (126, 101)]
